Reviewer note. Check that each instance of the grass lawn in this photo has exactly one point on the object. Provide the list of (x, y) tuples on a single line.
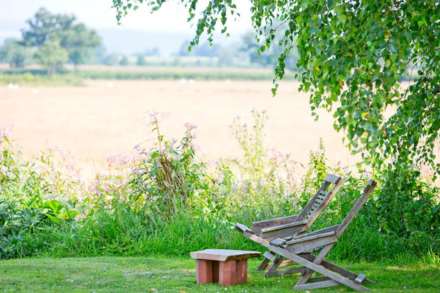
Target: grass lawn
[(160, 274)]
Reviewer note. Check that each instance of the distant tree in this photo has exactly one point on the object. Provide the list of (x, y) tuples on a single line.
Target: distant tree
[(152, 52), (124, 61), (227, 55), (14, 53), (80, 42), (99, 55), (140, 60), (75, 37), (44, 25), (268, 57), (203, 50), (111, 59), (184, 50), (52, 56)]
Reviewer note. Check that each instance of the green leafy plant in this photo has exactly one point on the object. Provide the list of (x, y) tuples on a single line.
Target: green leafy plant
[(169, 176), (28, 203)]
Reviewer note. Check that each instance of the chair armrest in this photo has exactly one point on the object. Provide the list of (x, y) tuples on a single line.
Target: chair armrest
[(243, 228), (257, 226), (284, 226), (329, 231)]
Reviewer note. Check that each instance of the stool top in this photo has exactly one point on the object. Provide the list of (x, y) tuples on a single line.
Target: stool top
[(223, 254)]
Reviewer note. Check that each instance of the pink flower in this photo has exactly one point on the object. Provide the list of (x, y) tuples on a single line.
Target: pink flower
[(190, 126)]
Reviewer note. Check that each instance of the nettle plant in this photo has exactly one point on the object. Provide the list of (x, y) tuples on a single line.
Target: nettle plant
[(168, 177)]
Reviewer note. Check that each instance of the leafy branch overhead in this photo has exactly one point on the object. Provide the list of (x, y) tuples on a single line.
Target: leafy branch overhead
[(353, 56)]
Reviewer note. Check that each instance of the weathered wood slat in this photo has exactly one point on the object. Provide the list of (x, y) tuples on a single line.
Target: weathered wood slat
[(257, 226), (332, 178), (311, 245), (360, 278), (311, 213), (285, 233), (269, 255), (274, 267), (308, 237), (242, 228), (318, 259), (356, 207), (323, 230), (316, 285), (338, 269), (264, 264), (223, 254), (317, 268), (286, 272), (284, 226)]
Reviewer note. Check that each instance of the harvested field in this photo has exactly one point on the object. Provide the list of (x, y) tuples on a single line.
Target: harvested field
[(108, 118)]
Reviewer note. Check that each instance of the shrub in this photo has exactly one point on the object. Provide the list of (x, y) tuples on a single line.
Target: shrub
[(407, 207)]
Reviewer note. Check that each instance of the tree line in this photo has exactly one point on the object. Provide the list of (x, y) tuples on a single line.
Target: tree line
[(51, 40)]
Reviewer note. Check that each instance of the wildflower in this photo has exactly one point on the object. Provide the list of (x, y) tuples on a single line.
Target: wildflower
[(190, 126), (154, 116)]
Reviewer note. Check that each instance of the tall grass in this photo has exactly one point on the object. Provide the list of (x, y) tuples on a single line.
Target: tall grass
[(39, 77), (28, 78), (168, 201)]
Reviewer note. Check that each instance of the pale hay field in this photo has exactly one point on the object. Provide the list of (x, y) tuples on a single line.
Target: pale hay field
[(108, 118)]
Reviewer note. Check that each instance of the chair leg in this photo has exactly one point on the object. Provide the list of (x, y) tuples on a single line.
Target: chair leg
[(316, 285), (268, 257), (264, 264), (359, 278), (301, 260), (318, 259), (273, 269)]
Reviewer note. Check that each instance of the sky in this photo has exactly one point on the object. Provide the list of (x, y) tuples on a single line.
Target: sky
[(99, 15)]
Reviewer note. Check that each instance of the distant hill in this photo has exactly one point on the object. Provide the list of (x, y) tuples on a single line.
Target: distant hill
[(127, 41), (132, 41)]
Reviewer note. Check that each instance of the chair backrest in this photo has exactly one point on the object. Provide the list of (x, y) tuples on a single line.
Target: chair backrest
[(321, 199), (371, 185)]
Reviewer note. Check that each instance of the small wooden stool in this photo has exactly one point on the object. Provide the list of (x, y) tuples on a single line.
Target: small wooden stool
[(223, 266)]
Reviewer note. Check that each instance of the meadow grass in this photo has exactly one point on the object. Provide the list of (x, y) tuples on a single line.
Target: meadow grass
[(172, 274), (185, 73), (27, 78), (76, 77)]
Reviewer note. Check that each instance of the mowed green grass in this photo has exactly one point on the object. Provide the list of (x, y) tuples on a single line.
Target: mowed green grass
[(160, 274)]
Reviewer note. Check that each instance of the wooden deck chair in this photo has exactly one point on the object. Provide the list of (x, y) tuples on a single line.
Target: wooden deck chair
[(309, 251), (290, 226)]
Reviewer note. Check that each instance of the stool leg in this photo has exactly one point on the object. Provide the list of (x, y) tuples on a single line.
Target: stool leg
[(242, 271), (227, 272), (204, 271), (215, 271)]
